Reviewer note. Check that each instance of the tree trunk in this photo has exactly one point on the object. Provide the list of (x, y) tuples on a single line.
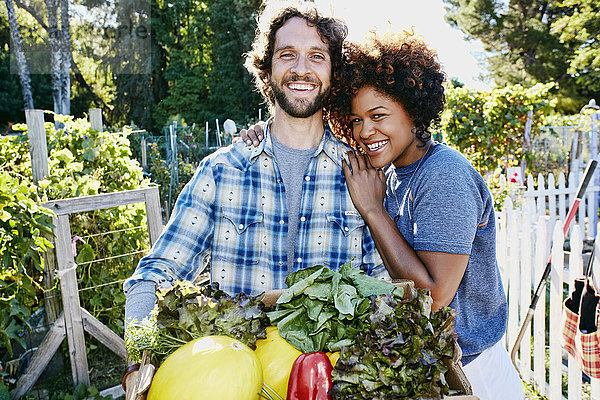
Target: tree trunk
[(65, 47), (17, 48), (55, 54)]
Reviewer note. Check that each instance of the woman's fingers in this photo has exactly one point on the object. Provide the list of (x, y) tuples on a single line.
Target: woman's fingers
[(361, 160), (353, 162), (253, 135), (346, 169)]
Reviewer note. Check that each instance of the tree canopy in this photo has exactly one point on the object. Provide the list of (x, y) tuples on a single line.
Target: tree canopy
[(192, 68), (533, 41)]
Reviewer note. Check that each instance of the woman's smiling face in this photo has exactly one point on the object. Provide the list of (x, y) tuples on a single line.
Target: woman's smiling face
[(383, 129)]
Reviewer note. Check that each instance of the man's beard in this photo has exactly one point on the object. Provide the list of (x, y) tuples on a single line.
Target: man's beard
[(303, 108)]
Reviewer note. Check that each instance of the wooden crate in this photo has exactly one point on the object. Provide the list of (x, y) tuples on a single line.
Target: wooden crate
[(456, 378)]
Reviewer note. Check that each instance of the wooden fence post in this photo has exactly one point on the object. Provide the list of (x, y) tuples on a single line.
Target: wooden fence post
[(38, 149), (153, 214), (37, 144), (143, 149), (70, 296), (96, 119), (556, 299)]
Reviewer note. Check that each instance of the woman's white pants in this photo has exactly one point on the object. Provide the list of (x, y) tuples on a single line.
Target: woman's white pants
[(493, 376)]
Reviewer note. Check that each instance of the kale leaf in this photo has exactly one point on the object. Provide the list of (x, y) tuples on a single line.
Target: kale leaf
[(186, 312), (398, 353), (323, 310)]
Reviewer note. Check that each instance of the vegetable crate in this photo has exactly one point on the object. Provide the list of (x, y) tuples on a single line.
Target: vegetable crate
[(455, 376)]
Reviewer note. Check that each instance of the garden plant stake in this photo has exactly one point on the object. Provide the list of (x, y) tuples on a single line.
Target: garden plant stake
[(589, 171)]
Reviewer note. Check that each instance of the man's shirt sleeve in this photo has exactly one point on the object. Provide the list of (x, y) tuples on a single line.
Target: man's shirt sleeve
[(179, 252), (372, 262)]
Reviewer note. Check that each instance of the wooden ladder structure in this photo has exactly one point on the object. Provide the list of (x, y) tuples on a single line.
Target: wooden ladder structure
[(74, 319)]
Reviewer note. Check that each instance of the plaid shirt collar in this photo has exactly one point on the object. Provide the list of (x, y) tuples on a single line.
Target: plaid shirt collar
[(329, 145)]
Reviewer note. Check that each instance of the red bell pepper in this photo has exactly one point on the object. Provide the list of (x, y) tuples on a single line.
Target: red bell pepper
[(310, 378)]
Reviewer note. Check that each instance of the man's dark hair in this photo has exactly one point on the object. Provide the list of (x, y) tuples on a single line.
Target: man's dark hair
[(332, 31)]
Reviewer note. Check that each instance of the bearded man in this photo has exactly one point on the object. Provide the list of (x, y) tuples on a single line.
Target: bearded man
[(255, 214)]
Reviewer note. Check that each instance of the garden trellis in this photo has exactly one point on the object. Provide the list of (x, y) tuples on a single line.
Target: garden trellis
[(75, 320)]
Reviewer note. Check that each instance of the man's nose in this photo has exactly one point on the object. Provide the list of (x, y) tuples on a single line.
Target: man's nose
[(301, 67)]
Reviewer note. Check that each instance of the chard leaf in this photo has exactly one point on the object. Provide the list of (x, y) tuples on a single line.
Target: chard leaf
[(302, 274), (323, 317), (343, 299), (300, 286), (313, 308), (319, 291), (278, 315)]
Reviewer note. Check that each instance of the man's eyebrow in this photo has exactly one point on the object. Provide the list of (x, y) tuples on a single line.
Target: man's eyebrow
[(291, 47)]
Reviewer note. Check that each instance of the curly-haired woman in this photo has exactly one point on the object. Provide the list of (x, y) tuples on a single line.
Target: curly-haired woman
[(429, 210)]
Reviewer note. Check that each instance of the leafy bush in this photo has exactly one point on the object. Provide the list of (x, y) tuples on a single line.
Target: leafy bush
[(22, 226), (488, 127), (81, 162)]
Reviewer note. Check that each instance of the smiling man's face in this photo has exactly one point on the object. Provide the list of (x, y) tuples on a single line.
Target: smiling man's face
[(300, 69)]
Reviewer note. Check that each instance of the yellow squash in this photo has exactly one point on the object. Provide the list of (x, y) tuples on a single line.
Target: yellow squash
[(333, 357), (209, 368), (276, 357)]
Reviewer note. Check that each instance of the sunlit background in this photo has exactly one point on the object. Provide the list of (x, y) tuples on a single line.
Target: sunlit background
[(460, 57)]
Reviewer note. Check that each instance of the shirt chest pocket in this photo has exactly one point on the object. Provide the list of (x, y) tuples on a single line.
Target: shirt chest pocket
[(344, 235), (238, 237)]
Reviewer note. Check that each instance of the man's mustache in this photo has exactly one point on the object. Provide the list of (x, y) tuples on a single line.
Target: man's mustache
[(296, 78)]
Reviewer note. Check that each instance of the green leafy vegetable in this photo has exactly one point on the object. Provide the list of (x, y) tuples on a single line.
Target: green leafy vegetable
[(186, 312), (398, 353), (324, 310)]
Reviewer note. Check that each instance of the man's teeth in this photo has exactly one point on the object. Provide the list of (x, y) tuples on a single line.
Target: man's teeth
[(377, 145), (301, 86)]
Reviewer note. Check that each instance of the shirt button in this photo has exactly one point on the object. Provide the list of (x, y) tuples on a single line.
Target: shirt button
[(307, 178), (280, 263), (241, 226), (302, 219), (345, 228), (278, 180), (299, 259), (281, 222)]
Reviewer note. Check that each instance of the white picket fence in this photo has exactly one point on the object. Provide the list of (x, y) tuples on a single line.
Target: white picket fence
[(527, 234)]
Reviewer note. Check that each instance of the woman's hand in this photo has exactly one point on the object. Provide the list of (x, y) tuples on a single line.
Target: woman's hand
[(366, 184), (254, 134)]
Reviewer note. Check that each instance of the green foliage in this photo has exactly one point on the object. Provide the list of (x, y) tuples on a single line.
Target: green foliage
[(323, 310), (81, 392), (23, 224), (529, 41), (186, 312), (578, 28), (82, 162), (488, 127), (205, 42), (398, 353)]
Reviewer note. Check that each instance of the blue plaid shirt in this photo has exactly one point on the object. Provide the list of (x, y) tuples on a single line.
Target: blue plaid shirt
[(233, 215)]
